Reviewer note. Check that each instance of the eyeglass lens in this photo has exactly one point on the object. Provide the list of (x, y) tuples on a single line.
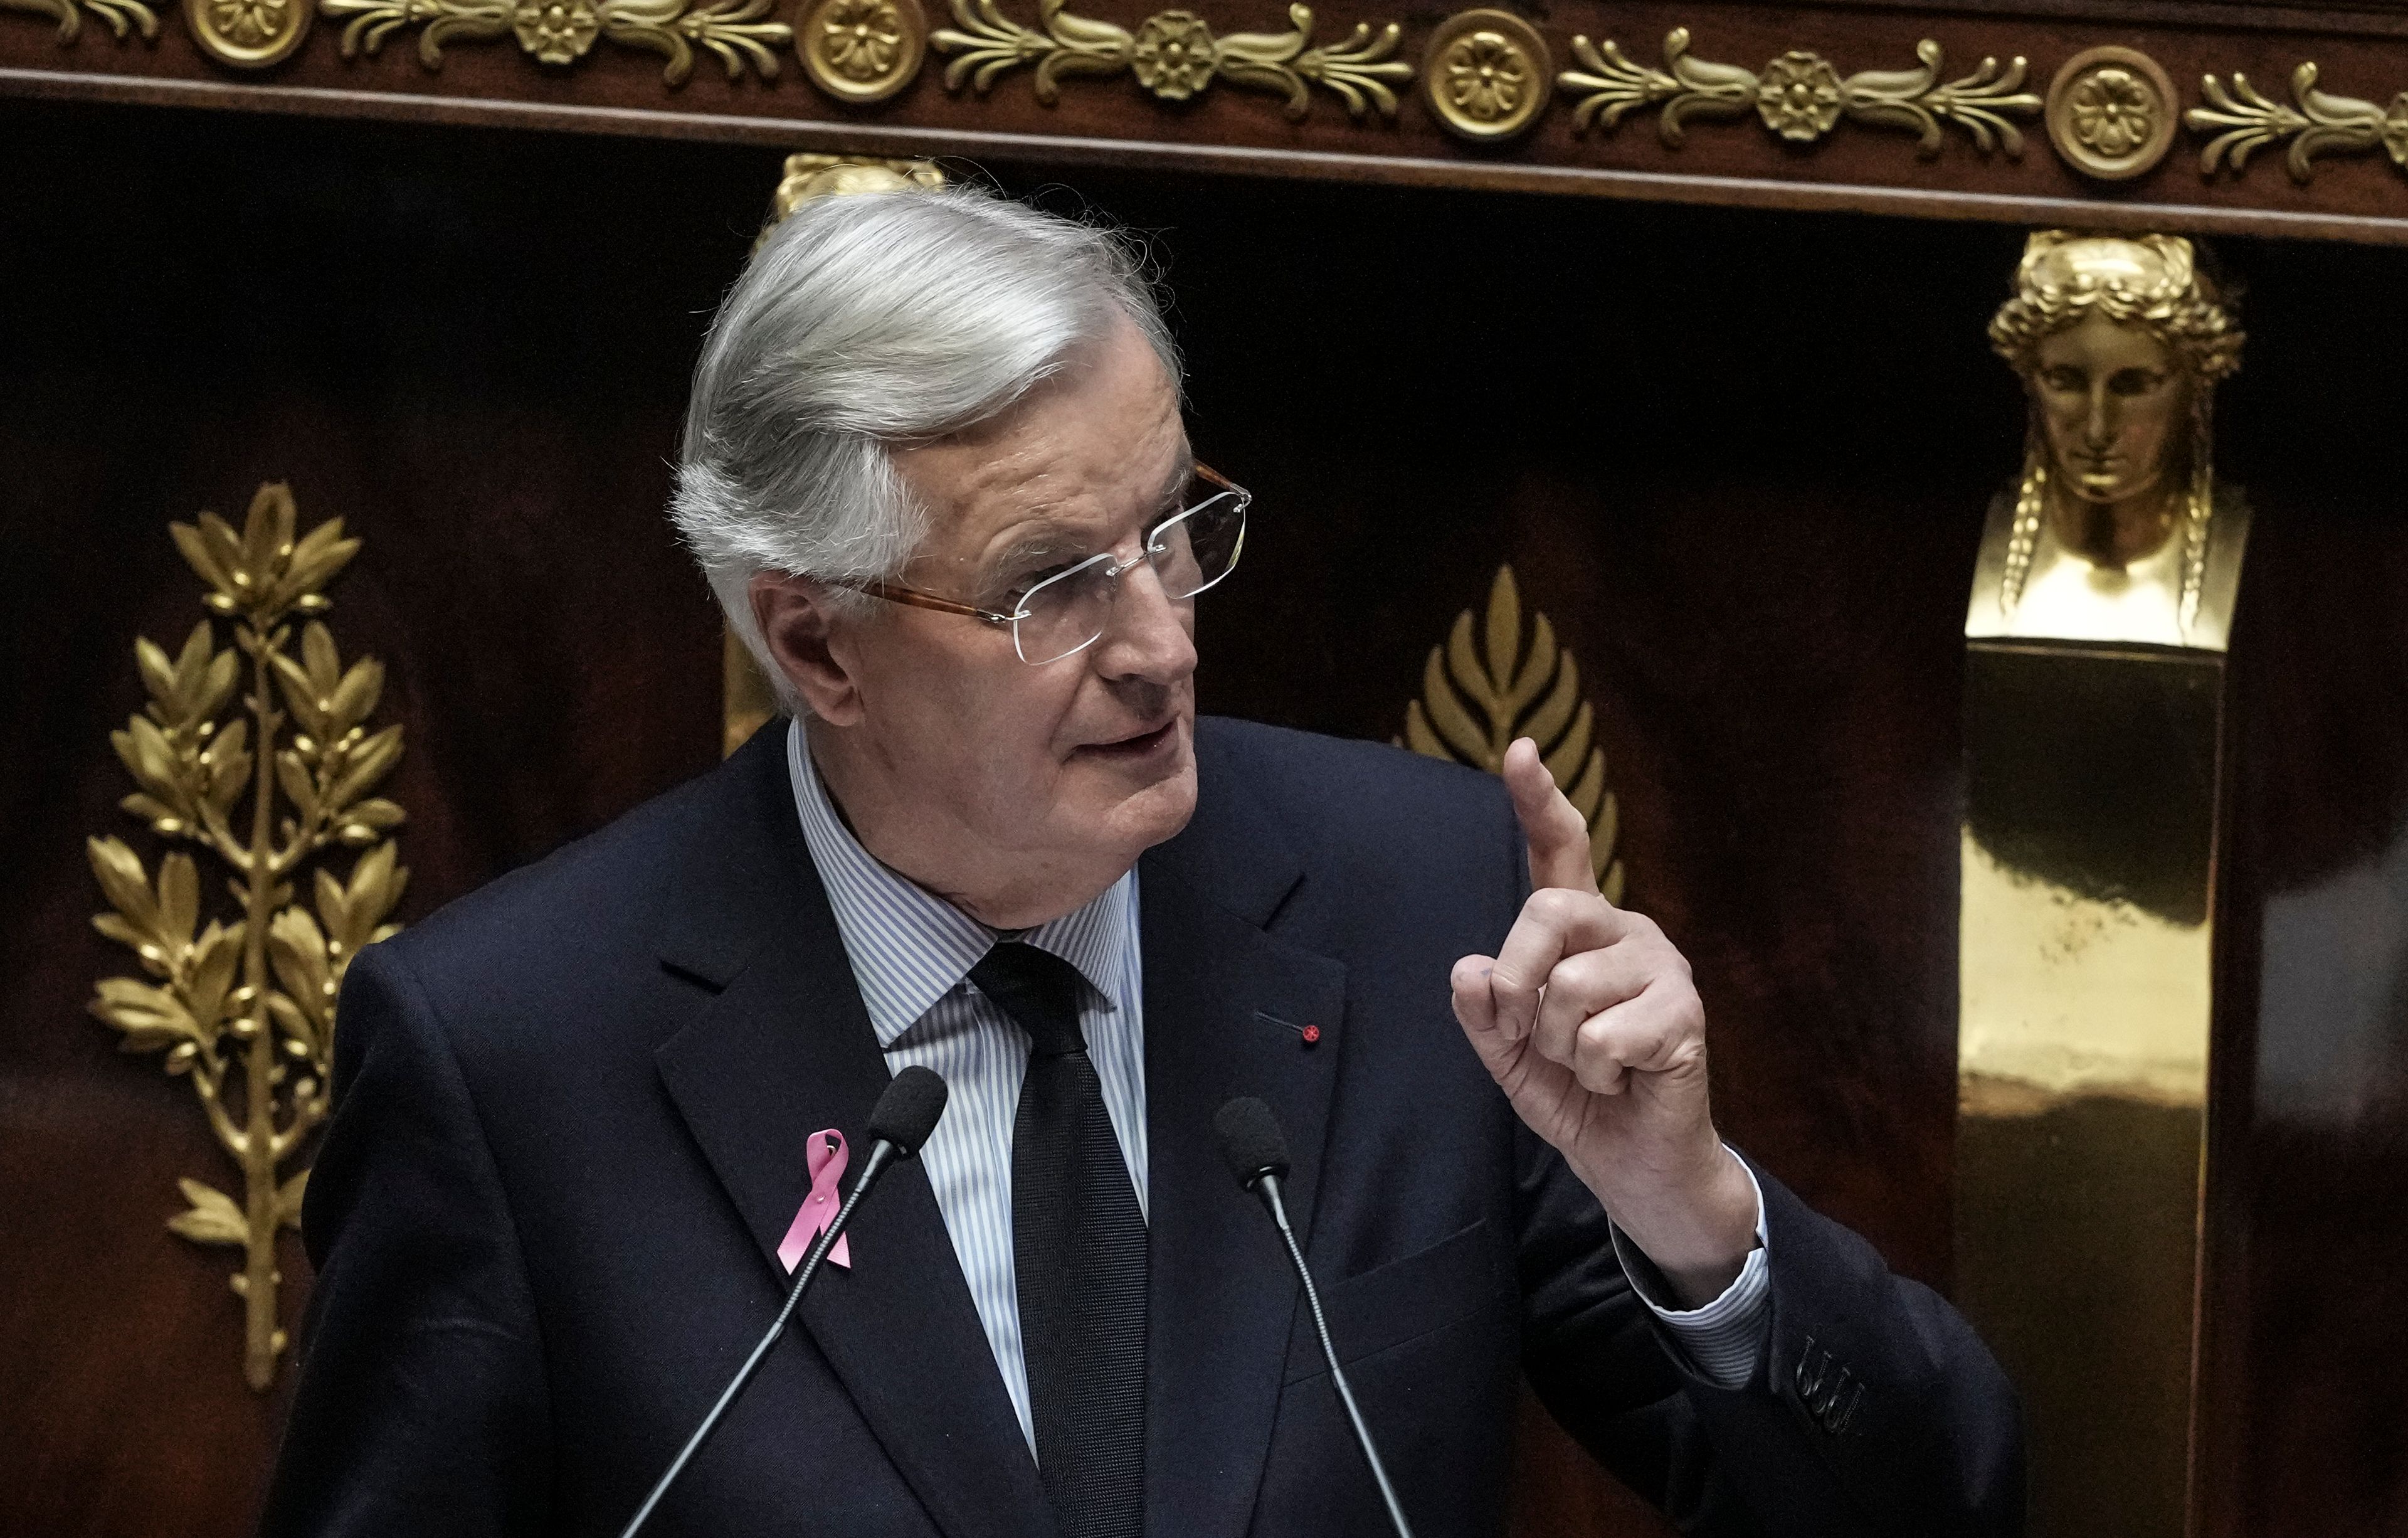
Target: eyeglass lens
[(1189, 553)]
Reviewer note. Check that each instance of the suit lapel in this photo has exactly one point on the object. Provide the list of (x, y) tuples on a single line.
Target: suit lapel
[(1225, 1005), (783, 1050)]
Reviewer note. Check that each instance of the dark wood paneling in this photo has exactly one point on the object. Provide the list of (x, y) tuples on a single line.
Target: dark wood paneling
[(2307, 1423)]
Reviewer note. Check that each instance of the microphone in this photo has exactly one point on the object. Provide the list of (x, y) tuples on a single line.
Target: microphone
[(901, 1121), (1257, 1155)]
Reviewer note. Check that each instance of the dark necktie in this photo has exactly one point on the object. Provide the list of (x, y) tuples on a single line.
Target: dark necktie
[(1078, 1242)]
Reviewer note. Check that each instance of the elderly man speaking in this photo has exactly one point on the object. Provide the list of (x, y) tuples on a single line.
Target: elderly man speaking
[(935, 471)]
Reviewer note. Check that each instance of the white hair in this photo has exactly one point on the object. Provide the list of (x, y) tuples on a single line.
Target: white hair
[(868, 320)]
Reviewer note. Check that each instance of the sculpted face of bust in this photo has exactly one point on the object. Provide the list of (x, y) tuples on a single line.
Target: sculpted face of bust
[(1016, 792), (2113, 404)]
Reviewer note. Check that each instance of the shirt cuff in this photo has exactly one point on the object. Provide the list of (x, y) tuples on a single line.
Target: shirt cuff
[(1724, 1339)]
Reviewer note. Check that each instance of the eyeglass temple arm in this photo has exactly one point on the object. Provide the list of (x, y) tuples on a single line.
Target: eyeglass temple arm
[(913, 597), (1208, 473)]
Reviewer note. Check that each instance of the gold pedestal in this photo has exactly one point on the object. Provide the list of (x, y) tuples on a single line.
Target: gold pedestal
[(2102, 606), (2088, 887)]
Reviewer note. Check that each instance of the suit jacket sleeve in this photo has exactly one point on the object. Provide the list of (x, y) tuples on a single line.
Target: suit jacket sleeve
[(421, 1406), (1875, 1411)]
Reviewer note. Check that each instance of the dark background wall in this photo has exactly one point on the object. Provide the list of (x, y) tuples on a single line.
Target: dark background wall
[(1739, 458)]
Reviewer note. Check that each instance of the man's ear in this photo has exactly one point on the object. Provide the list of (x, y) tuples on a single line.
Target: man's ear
[(794, 614)]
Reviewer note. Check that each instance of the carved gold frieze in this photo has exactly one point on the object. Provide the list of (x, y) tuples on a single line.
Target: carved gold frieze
[(862, 51), (1479, 696), (561, 31), (2112, 112), (124, 17), (1487, 75), (1173, 55), (244, 1008), (1799, 95), (2244, 120)]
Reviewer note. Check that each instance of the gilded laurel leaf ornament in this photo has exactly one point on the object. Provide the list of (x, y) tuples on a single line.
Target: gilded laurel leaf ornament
[(243, 1007), (1799, 95), (2244, 120), (1485, 688), (561, 31), (124, 17), (1173, 55)]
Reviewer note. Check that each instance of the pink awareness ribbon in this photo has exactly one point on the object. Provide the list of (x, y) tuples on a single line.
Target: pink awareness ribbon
[(828, 1156)]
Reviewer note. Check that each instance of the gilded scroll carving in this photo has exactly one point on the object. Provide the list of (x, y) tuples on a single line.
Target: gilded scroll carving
[(2244, 120), (1531, 692), (244, 1009), (124, 17), (1799, 95), (561, 31), (1173, 55)]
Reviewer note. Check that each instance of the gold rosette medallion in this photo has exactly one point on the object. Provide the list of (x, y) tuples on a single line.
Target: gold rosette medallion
[(248, 33), (862, 51), (1487, 75), (2112, 113)]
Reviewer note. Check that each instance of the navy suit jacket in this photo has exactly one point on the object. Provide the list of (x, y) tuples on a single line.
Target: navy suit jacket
[(569, 1135)]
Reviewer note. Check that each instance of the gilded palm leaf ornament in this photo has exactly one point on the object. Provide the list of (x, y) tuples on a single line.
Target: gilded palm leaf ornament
[(275, 788), (1478, 695)]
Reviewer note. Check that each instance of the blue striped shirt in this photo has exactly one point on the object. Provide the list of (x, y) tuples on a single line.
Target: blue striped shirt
[(912, 954)]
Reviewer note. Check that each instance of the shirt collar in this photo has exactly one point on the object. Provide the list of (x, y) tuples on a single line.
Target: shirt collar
[(911, 947)]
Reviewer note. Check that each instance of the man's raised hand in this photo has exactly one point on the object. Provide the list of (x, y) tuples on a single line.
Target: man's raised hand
[(1587, 1018)]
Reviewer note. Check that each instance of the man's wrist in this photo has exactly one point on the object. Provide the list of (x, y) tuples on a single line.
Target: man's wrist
[(1698, 1233)]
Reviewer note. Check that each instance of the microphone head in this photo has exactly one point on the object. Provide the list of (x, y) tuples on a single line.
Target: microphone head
[(908, 1112), (1250, 1141)]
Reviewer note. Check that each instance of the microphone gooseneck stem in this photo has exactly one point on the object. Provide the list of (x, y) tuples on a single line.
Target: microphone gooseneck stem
[(1269, 1188), (881, 1154)]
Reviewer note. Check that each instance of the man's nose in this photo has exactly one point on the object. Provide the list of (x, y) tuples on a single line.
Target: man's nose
[(1145, 634)]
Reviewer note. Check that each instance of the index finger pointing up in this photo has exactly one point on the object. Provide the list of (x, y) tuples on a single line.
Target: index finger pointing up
[(1559, 837)]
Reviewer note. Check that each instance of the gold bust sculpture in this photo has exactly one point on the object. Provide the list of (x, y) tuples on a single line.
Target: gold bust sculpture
[(2117, 531)]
